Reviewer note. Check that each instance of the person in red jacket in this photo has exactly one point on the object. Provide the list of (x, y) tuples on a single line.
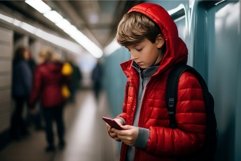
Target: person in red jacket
[(48, 81), (151, 36)]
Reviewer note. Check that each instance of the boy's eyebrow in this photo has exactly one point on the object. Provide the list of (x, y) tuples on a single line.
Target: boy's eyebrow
[(131, 46), (135, 44)]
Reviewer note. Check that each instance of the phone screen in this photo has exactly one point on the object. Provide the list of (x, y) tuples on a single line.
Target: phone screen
[(112, 123)]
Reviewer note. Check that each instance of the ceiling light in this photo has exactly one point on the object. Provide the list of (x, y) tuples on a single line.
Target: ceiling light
[(6, 18), (78, 36), (73, 47), (87, 43), (67, 27), (53, 16), (56, 40), (113, 46), (28, 27), (16, 22), (93, 18), (38, 5), (63, 24)]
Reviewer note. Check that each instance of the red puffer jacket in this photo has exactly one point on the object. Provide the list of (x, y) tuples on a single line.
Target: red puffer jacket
[(165, 143), (47, 84)]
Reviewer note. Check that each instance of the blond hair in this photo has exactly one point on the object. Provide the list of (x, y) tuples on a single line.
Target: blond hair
[(135, 27), (46, 54)]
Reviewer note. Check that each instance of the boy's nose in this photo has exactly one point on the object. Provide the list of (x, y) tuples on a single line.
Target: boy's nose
[(133, 55)]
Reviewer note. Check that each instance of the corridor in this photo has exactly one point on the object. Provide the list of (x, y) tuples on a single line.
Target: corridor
[(86, 136)]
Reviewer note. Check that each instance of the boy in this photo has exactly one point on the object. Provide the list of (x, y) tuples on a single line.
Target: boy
[(151, 37)]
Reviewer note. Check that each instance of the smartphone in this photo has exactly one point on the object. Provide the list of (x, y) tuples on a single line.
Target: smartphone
[(112, 123)]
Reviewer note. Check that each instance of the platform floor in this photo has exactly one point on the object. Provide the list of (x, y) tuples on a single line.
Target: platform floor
[(86, 136)]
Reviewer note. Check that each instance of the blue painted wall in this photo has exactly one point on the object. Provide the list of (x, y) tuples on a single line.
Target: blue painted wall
[(115, 79)]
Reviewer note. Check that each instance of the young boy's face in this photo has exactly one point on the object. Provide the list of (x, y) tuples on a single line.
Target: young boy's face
[(146, 53)]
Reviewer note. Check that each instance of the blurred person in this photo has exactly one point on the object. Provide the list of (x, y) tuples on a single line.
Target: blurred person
[(96, 77), (67, 72), (47, 84), (31, 62), (34, 118), (76, 78), (21, 87)]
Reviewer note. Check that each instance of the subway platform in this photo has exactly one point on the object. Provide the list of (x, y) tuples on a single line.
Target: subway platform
[(86, 136)]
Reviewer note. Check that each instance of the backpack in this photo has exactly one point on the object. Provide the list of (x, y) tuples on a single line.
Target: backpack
[(207, 153)]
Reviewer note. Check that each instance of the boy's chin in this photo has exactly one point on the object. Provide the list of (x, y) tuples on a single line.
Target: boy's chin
[(142, 66)]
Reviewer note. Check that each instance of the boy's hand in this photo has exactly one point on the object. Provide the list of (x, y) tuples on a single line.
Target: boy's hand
[(128, 135), (111, 131)]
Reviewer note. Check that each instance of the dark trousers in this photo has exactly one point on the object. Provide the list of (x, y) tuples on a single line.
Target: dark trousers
[(97, 90), (54, 114), (18, 126)]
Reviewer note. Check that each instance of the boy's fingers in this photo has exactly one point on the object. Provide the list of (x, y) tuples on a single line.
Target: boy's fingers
[(107, 126), (127, 127), (127, 130), (127, 140)]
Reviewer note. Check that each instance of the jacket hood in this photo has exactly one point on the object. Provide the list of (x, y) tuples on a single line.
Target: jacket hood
[(176, 50)]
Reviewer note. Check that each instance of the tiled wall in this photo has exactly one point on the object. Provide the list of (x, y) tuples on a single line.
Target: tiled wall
[(6, 46)]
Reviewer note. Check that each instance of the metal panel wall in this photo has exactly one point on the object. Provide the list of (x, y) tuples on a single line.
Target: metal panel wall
[(6, 46), (224, 53), (217, 54)]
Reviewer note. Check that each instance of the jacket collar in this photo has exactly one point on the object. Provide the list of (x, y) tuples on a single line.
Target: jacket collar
[(148, 72)]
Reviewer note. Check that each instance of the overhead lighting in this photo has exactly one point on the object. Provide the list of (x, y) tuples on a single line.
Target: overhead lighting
[(113, 46), (17, 22), (86, 43), (78, 36), (63, 24), (38, 5), (28, 27), (93, 18), (56, 40), (6, 18), (53, 16), (66, 26), (73, 47), (219, 2)]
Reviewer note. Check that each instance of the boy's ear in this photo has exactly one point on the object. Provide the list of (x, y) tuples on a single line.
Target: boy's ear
[(159, 41)]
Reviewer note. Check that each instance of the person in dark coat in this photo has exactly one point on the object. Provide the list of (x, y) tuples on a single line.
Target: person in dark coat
[(96, 77), (74, 80), (34, 118), (21, 86), (48, 81)]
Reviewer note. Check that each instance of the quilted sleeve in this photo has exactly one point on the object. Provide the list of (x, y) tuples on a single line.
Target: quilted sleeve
[(124, 113), (189, 136)]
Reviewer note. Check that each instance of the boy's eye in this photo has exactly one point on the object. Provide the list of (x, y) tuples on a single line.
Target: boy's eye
[(138, 49)]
